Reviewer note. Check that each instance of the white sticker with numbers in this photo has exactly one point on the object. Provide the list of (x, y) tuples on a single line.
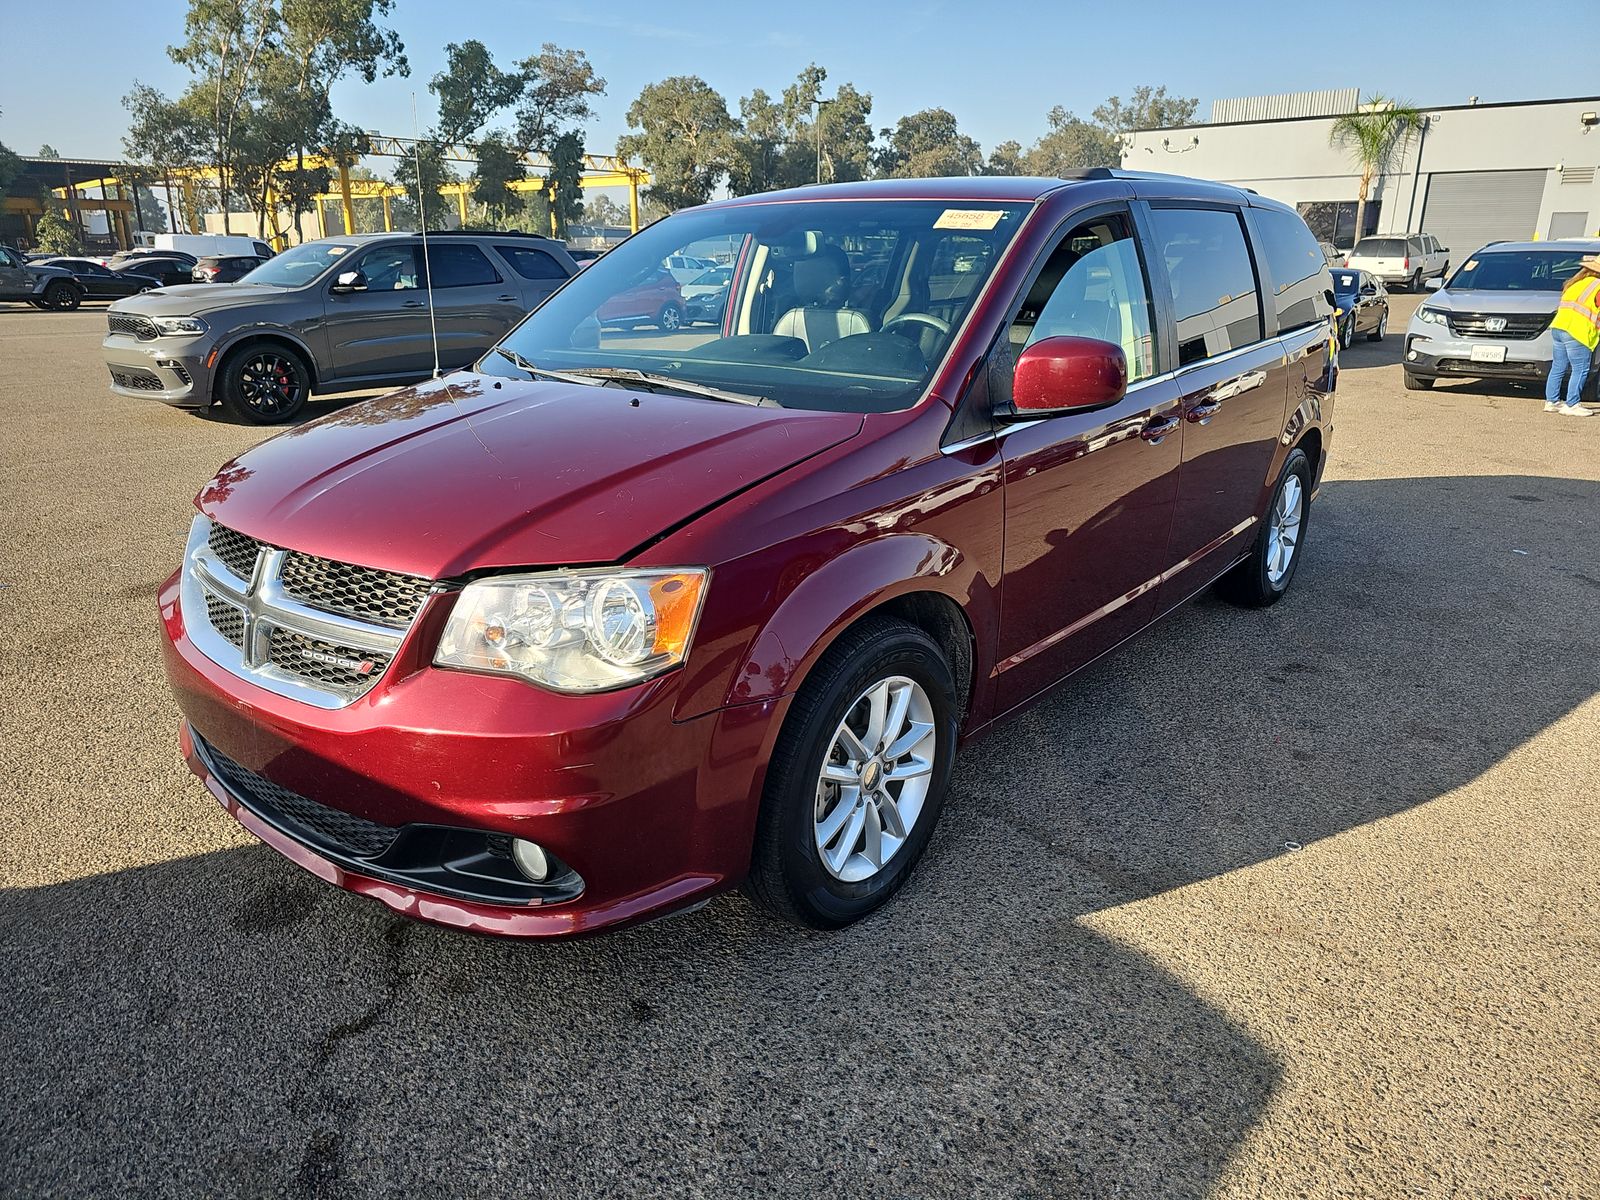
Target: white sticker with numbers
[(968, 218)]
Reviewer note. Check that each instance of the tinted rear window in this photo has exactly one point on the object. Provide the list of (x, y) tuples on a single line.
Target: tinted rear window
[(1297, 265), (1213, 280), (531, 263), (1381, 248), (456, 265)]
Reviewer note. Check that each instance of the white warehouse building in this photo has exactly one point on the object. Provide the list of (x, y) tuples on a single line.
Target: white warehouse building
[(1474, 173)]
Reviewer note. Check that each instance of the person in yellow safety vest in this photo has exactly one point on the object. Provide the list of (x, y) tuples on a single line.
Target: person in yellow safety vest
[(1574, 334)]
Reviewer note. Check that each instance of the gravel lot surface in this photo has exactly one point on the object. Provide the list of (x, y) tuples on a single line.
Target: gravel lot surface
[(1281, 904)]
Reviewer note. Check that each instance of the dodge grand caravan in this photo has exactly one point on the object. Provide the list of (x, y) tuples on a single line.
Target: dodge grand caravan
[(611, 621)]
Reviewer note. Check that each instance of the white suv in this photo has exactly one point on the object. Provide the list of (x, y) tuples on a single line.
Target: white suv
[(1402, 258)]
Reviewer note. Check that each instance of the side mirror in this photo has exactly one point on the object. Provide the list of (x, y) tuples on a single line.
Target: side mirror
[(1434, 284), (1067, 374), (349, 281)]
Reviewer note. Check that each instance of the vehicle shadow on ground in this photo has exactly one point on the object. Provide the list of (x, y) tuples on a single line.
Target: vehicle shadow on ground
[(264, 1034)]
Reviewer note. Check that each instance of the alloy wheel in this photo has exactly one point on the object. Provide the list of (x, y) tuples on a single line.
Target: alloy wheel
[(1283, 538), (874, 779), (270, 383)]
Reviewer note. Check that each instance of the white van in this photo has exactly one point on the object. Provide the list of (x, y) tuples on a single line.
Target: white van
[(202, 244)]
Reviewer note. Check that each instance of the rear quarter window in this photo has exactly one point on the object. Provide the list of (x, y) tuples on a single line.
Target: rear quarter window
[(1296, 264), (531, 263)]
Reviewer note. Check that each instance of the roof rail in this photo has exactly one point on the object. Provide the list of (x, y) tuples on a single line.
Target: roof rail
[(499, 233)]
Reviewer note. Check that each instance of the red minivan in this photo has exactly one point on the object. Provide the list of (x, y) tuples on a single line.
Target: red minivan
[(606, 625)]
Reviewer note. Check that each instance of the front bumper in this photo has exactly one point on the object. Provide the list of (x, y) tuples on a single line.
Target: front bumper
[(1432, 352), (172, 370), (649, 813)]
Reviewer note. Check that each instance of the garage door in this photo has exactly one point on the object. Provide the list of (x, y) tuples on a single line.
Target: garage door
[(1465, 209)]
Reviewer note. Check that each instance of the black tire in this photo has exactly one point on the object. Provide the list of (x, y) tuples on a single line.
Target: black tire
[(787, 875), (1383, 323), (669, 319), (1416, 383), (264, 384), (1347, 331), (61, 296), (1416, 281), (1251, 583)]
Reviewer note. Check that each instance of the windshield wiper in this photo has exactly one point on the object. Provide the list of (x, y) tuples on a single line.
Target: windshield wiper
[(666, 383), (517, 360)]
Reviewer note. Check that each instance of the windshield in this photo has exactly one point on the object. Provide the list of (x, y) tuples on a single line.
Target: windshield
[(846, 306), (1517, 271), (299, 265), (1380, 248)]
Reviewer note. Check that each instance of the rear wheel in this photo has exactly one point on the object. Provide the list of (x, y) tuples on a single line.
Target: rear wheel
[(1265, 576), (669, 319), (1416, 383), (858, 777), (1347, 332), (265, 385), (1416, 281), (1383, 327), (61, 296)]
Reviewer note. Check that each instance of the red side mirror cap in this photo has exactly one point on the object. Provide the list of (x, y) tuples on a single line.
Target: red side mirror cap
[(1064, 374)]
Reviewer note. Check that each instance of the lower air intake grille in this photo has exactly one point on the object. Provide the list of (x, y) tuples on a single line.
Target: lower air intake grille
[(303, 819), (136, 380)]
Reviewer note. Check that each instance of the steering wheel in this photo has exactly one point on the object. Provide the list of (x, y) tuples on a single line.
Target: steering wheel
[(916, 318)]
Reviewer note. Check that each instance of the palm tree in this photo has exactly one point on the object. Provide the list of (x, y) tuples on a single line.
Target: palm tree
[(1372, 135)]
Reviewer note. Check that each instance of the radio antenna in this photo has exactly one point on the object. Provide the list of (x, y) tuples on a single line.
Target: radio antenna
[(422, 220)]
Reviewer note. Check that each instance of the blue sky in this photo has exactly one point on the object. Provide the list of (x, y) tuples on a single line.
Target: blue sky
[(999, 69)]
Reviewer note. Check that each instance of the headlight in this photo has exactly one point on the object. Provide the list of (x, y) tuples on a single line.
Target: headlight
[(178, 326), (576, 631), (1432, 316)]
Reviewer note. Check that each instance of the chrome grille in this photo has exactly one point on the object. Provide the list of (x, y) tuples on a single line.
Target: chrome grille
[(304, 627), (381, 596), (142, 328), (333, 828), (226, 619), (336, 667), (1516, 327), (237, 552)]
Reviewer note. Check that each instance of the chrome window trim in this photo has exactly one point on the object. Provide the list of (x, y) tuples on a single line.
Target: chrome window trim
[(266, 607)]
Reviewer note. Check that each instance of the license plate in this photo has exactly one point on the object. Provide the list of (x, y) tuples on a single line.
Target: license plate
[(1489, 354)]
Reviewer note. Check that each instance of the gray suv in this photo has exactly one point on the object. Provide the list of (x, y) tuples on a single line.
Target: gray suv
[(327, 316), (1492, 319), (42, 286)]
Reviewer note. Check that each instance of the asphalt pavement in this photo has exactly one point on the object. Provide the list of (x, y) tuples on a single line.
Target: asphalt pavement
[(1268, 904)]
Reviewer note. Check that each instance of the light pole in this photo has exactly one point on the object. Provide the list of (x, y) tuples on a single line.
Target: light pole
[(819, 102)]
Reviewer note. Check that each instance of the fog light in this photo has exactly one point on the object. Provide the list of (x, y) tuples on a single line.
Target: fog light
[(1411, 354), (531, 860)]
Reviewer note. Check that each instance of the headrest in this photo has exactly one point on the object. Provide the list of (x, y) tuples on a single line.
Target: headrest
[(818, 278)]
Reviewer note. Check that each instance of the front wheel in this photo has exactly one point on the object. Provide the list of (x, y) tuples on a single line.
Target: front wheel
[(858, 777), (1383, 327), (1264, 577), (61, 296), (1416, 383), (265, 385)]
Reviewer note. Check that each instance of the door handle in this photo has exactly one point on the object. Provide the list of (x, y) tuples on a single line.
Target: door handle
[(1201, 413), (512, 299), (414, 304), (1157, 428)]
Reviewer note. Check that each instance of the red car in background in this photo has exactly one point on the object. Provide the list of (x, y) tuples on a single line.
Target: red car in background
[(653, 298), (602, 626)]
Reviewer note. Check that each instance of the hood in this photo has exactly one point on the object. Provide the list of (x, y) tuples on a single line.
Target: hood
[(459, 475), (1474, 301), (191, 299)]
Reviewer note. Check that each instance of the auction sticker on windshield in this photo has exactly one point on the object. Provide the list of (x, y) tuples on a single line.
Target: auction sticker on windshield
[(968, 218)]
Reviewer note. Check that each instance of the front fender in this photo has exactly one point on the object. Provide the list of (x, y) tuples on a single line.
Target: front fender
[(266, 332), (831, 597)]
